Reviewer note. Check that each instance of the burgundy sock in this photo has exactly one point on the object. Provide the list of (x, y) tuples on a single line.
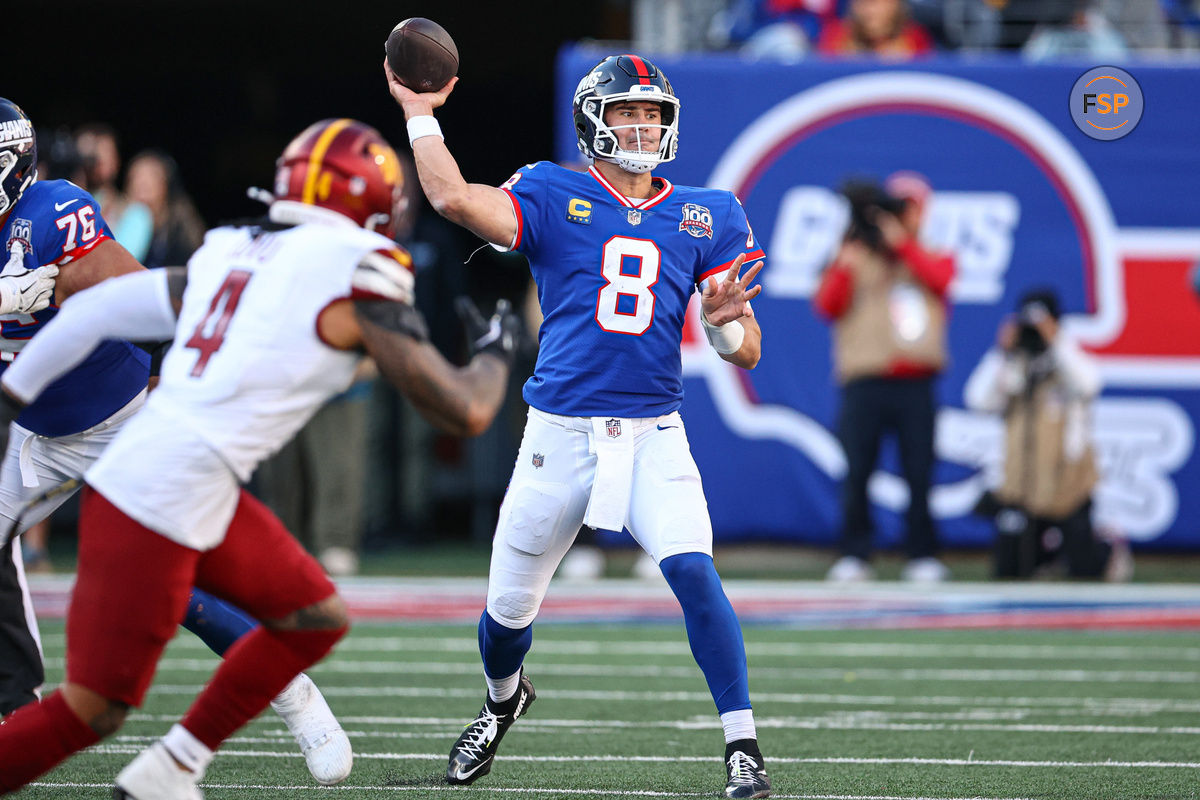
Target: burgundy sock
[(37, 737), (256, 668)]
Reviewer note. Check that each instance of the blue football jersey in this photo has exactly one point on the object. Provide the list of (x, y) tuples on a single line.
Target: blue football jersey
[(614, 277), (56, 222)]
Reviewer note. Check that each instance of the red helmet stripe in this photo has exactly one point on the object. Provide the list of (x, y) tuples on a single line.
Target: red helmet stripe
[(642, 71), (324, 140)]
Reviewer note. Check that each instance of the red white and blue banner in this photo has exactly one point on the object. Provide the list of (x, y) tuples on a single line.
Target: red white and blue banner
[(1022, 197)]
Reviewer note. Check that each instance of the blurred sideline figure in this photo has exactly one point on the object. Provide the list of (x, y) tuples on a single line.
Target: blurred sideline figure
[(56, 224), (616, 253), (886, 297), (131, 221), (153, 180), (1043, 385), (275, 317), (316, 483)]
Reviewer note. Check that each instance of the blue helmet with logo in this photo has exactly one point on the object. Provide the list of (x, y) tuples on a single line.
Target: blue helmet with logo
[(624, 79), (18, 154)]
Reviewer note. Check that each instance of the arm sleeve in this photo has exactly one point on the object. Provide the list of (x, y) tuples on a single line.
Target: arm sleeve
[(993, 381), (935, 271), (835, 292), (733, 238), (1078, 370), (525, 190), (135, 306)]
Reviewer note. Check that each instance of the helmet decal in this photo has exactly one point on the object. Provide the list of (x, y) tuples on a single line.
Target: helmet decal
[(18, 154), (345, 166)]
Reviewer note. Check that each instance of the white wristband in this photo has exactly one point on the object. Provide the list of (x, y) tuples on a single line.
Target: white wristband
[(422, 126), (725, 339)]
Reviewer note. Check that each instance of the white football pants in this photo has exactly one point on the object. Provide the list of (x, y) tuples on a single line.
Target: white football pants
[(549, 492)]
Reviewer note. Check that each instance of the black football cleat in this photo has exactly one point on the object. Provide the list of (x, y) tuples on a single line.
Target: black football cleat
[(472, 755), (747, 775)]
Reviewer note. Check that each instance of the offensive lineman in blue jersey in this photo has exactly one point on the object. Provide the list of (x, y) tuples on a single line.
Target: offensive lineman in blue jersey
[(616, 254), (56, 243)]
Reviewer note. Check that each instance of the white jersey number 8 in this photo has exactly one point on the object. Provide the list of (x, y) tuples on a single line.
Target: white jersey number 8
[(625, 303)]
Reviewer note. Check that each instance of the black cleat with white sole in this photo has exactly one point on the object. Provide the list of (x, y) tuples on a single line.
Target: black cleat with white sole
[(472, 755), (746, 772)]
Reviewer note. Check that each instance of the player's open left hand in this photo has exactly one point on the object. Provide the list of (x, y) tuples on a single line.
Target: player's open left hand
[(498, 335), (726, 300), (416, 103)]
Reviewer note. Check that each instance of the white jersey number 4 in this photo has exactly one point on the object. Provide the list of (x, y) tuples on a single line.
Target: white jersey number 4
[(630, 268)]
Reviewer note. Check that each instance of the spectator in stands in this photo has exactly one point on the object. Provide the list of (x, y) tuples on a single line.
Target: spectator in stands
[(153, 180), (1043, 385), (883, 28), (780, 29), (886, 297), (131, 221), (1086, 33)]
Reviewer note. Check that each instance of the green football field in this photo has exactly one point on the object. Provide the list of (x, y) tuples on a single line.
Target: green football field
[(623, 711)]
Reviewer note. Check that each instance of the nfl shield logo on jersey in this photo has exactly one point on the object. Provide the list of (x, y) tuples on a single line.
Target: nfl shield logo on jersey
[(634, 216), (538, 460), (614, 427)]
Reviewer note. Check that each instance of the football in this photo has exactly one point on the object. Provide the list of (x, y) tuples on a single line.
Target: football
[(422, 54)]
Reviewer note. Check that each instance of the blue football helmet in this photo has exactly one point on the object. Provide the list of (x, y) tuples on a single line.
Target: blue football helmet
[(619, 79), (18, 154)]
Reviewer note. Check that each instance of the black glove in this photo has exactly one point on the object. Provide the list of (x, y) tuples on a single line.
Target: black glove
[(497, 335), (10, 409)]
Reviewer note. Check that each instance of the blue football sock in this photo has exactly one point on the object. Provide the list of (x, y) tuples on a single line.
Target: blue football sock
[(712, 628), (503, 649), (217, 623)]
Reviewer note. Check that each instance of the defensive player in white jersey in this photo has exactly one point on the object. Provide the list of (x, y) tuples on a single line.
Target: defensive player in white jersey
[(56, 243), (616, 253), (269, 321)]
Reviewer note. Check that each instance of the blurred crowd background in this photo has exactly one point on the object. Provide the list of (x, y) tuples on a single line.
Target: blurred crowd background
[(169, 111)]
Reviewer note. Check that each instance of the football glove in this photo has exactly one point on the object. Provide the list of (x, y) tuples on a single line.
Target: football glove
[(27, 290), (497, 335)]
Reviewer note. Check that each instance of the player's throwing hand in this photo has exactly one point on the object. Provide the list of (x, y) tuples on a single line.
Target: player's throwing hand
[(728, 300), (406, 97)]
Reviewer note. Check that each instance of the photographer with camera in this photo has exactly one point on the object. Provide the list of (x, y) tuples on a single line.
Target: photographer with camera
[(886, 298), (1043, 384)]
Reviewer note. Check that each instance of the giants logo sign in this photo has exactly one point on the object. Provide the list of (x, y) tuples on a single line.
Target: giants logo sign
[(1022, 200)]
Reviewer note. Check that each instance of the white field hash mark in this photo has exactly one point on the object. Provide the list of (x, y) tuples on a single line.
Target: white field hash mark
[(515, 790)]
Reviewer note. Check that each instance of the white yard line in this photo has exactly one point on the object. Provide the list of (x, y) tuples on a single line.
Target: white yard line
[(344, 666), (805, 723), (118, 749), (511, 790), (365, 643), (1143, 704)]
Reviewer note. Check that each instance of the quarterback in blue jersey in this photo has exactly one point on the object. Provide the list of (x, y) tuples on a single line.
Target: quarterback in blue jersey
[(56, 243), (616, 254)]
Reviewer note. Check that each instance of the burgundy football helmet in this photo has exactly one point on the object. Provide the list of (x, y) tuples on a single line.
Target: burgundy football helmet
[(345, 166)]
